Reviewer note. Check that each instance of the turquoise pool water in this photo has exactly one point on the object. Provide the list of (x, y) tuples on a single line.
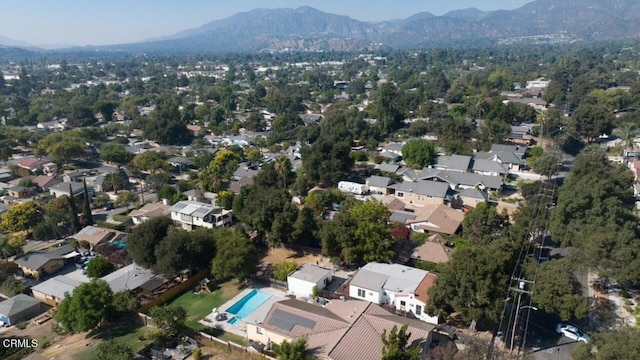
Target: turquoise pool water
[(248, 304), (234, 320)]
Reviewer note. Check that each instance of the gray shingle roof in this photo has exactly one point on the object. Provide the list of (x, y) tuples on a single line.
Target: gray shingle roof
[(473, 194), (379, 181), (423, 187), (462, 179), (453, 162), (37, 259), (17, 304), (486, 165), (57, 286), (310, 273)]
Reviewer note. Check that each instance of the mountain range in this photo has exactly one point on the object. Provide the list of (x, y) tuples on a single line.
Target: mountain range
[(306, 28)]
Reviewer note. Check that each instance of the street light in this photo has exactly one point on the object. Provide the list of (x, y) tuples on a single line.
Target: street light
[(515, 322)]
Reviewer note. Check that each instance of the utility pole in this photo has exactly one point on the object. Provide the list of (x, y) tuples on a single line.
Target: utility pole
[(521, 289)]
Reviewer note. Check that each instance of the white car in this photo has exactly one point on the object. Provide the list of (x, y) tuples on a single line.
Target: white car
[(572, 333)]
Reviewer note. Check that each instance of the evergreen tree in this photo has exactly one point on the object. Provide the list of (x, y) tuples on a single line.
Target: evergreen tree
[(75, 221), (87, 205)]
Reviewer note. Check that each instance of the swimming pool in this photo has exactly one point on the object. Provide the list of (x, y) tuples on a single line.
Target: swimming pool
[(248, 304)]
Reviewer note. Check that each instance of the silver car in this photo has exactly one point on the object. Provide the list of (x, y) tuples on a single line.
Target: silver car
[(572, 333)]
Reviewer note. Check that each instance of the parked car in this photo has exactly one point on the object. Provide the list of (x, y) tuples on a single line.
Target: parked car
[(572, 333)]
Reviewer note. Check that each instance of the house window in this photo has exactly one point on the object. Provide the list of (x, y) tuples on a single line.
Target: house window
[(403, 303), (361, 293), (400, 194), (259, 330), (418, 310)]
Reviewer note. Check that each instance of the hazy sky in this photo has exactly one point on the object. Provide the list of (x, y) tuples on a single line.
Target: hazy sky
[(83, 22)]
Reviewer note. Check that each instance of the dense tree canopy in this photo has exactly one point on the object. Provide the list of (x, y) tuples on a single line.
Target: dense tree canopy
[(419, 153), (85, 309), (22, 216), (236, 256)]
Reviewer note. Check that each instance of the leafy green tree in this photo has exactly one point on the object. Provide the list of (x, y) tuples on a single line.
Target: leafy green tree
[(374, 240), (171, 253), (75, 220), (151, 161), (327, 161), (396, 345), (6, 150), (282, 269), (125, 302), (236, 255), (144, 238), (548, 163), (474, 283), (225, 199), (483, 224), (305, 228), (419, 152), (22, 216), (126, 198), (115, 153), (619, 344), (169, 319), (590, 121), (99, 267), (113, 350), (558, 291), (291, 350), (85, 309), (386, 107), (221, 168)]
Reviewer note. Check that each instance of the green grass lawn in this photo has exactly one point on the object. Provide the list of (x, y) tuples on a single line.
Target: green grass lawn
[(200, 305), (128, 333)]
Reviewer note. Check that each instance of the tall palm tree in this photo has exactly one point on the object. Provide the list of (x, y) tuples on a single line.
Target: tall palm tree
[(627, 133), (283, 166), (113, 181)]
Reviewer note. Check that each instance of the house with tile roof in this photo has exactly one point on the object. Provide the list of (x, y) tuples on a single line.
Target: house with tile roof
[(150, 211), (402, 287), (435, 250), (341, 330)]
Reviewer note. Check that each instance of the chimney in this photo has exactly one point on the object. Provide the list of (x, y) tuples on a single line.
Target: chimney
[(165, 202)]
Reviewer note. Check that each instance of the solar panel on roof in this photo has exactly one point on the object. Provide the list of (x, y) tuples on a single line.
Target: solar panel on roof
[(286, 320)]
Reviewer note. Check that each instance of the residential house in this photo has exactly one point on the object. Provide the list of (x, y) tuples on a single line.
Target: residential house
[(31, 164), (236, 185), (305, 278), (50, 169), (421, 192), (511, 156), (20, 308), (392, 284), (44, 183), (191, 214), (389, 156), (435, 250), (634, 166), (54, 290), (458, 180), (388, 168), (21, 192), (182, 163), (378, 184), (473, 197), (394, 148), (133, 277), (77, 189), (43, 263), (96, 235), (489, 168), (521, 134), (54, 125), (341, 330), (434, 218), (197, 130), (244, 172), (149, 211), (459, 163)]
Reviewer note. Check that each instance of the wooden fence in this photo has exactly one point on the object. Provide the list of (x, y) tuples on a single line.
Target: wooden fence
[(240, 352), (174, 291)]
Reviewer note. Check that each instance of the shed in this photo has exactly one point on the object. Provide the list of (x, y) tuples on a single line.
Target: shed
[(20, 308), (302, 281)]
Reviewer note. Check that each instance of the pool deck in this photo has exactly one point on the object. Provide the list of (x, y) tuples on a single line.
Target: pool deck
[(256, 317)]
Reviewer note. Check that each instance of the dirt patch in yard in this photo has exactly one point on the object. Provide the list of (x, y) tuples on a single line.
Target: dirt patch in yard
[(276, 255), (69, 347)]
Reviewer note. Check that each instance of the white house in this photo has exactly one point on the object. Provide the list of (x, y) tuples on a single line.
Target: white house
[(191, 214), (402, 286), (302, 281)]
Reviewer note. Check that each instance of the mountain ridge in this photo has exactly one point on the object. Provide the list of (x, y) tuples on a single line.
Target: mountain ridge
[(308, 29)]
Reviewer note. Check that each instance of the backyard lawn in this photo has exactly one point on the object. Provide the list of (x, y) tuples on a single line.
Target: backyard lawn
[(200, 305)]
